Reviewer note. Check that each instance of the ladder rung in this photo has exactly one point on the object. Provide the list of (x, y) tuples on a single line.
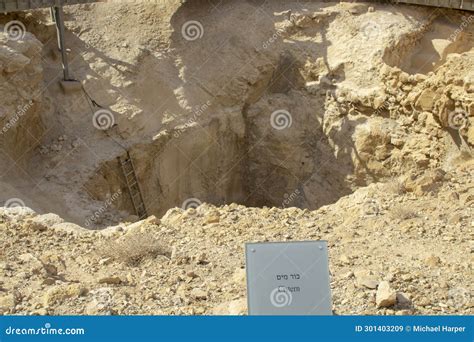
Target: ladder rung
[(133, 187)]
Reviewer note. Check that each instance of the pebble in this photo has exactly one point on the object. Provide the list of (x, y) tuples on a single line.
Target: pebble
[(110, 280), (199, 294), (7, 302)]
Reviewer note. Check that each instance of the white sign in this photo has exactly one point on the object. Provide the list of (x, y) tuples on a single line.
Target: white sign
[(288, 278)]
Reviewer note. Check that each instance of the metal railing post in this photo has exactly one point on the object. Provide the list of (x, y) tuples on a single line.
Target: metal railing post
[(57, 12)]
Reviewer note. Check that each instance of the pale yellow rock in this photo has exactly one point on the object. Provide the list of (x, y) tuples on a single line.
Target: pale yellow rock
[(470, 135), (7, 302), (385, 296), (239, 276), (35, 226), (433, 261), (236, 307), (110, 280), (426, 99), (199, 294), (59, 293), (212, 218)]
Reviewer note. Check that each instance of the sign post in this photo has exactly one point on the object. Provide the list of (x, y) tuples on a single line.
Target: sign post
[(288, 278)]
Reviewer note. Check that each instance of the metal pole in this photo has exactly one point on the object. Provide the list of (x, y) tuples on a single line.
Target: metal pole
[(58, 19)]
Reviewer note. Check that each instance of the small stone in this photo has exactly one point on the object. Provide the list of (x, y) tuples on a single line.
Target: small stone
[(31, 263), (130, 278), (40, 312), (236, 307), (59, 293), (49, 281), (47, 220), (101, 303), (105, 261), (200, 310), (7, 302), (366, 279), (344, 259), (403, 300), (240, 276), (50, 269), (423, 302), (348, 275), (202, 259), (213, 218), (455, 218), (35, 226), (153, 220), (433, 261), (110, 280), (192, 275), (385, 296), (368, 283), (199, 294)]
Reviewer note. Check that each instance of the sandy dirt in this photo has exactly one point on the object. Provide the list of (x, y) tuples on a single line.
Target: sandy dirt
[(246, 121)]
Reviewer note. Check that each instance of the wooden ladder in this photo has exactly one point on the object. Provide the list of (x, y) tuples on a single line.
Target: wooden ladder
[(133, 187)]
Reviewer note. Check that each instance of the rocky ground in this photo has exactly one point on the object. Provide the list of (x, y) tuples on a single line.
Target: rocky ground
[(374, 146), (367, 91), (404, 247)]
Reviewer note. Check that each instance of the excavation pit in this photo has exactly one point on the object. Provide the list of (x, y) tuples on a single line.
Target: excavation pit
[(239, 159)]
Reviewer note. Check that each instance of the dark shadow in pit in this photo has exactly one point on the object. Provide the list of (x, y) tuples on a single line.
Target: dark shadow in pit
[(271, 175)]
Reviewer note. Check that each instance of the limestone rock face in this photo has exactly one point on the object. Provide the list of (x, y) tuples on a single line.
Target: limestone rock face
[(21, 74), (322, 124)]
